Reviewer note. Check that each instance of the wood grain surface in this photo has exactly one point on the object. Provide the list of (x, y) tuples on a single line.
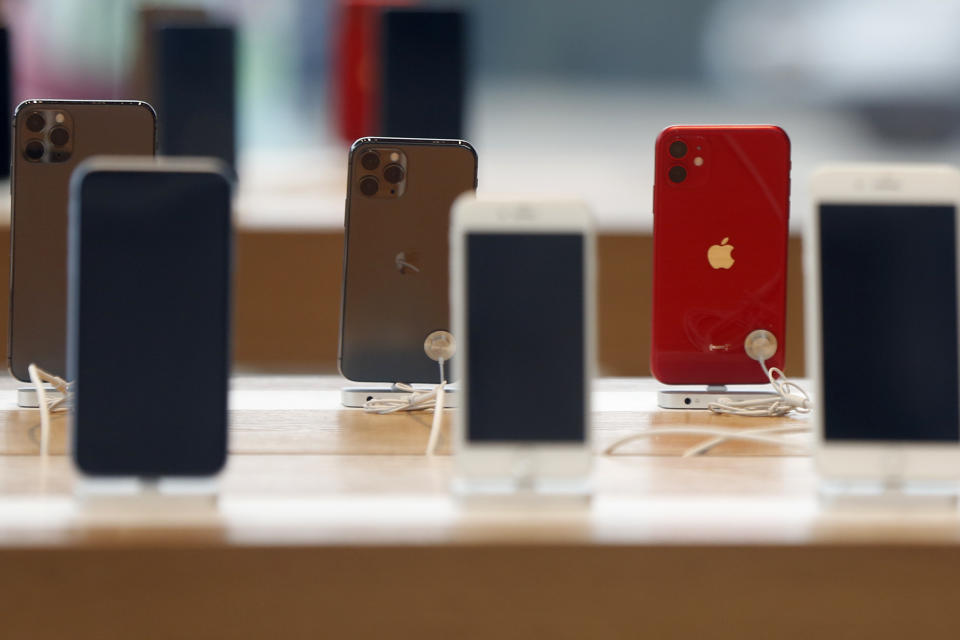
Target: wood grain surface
[(330, 522)]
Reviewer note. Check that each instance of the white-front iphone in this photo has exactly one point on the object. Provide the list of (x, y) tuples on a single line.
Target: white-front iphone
[(522, 292), (882, 274)]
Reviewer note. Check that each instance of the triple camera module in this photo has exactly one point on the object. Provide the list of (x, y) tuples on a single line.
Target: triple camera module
[(47, 137), (679, 150), (383, 173)]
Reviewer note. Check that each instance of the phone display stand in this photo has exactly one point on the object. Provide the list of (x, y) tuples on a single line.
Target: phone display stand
[(27, 396), (143, 499), (690, 399), (521, 491), (523, 475), (357, 397), (888, 493)]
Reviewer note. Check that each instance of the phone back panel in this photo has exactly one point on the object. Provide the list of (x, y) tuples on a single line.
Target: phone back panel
[(720, 251), (38, 273), (396, 259)]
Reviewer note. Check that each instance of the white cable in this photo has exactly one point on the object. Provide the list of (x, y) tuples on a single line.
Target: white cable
[(415, 401), (705, 446), (720, 434), (37, 377), (759, 345), (790, 397), (437, 414)]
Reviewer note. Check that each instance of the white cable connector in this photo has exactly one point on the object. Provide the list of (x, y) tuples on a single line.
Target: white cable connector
[(37, 377), (439, 346)]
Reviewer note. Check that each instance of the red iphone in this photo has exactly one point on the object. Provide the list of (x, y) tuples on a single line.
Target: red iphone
[(721, 204)]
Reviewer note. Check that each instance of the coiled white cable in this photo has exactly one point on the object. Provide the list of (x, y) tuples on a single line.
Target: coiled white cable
[(759, 345), (790, 397)]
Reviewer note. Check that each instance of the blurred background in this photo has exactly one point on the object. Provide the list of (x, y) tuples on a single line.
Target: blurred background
[(560, 97)]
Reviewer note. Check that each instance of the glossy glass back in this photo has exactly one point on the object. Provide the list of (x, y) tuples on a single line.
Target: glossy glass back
[(721, 210), (396, 255), (38, 275)]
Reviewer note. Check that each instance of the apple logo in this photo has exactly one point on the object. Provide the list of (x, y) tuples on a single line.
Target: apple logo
[(406, 262), (719, 256)]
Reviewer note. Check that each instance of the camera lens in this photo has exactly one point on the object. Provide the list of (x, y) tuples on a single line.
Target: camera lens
[(677, 174), (678, 148), (393, 173), (59, 136), (369, 185), (370, 160), (36, 121), (34, 150)]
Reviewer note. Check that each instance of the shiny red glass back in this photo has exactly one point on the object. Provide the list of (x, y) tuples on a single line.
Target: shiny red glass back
[(708, 296)]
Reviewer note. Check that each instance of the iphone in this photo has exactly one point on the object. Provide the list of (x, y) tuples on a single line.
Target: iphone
[(523, 306), (720, 228), (883, 288)]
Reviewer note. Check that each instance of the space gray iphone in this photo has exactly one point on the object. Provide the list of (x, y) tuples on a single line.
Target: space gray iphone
[(396, 254), (50, 138), (148, 316)]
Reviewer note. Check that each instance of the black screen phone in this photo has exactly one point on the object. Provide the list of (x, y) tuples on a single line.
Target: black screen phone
[(526, 316), (195, 91), (888, 277), (422, 73), (148, 342)]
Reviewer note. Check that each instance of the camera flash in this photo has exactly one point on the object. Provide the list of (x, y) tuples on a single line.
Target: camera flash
[(394, 156), (698, 161), (59, 118)]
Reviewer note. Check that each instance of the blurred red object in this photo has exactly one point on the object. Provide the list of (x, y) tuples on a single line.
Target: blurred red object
[(356, 73)]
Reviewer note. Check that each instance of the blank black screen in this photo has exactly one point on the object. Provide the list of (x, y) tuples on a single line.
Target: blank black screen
[(148, 342), (525, 316), (423, 73), (195, 91), (889, 318)]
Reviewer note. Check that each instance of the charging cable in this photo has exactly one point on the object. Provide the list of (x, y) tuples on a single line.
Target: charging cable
[(439, 346), (719, 435), (760, 345), (38, 377)]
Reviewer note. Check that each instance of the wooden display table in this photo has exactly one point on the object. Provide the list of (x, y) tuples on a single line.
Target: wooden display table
[(331, 523)]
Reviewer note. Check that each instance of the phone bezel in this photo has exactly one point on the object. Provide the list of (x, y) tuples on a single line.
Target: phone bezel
[(544, 460), (139, 164), (875, 184)]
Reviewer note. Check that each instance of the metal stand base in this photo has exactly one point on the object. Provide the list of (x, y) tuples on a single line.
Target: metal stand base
[(356, 397), (27, 397), (691, 399)]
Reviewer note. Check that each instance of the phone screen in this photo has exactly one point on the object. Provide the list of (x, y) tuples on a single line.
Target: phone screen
[(148, 340), (526, 329), (889, 322)]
